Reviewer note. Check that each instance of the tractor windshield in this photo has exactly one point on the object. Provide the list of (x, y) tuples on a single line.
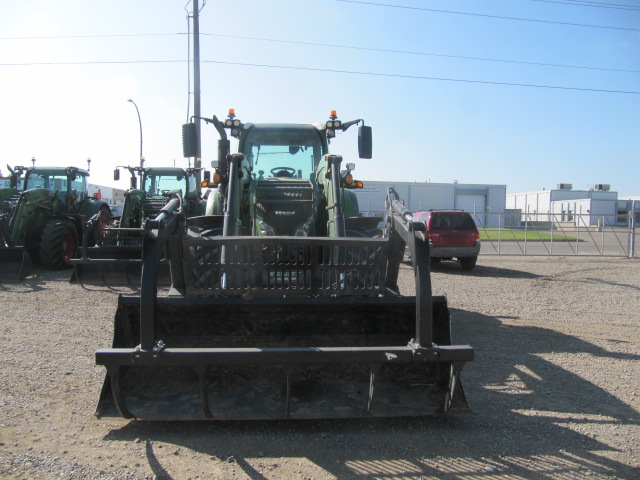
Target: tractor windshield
[(158, 183), (283, 151), (55, 182)]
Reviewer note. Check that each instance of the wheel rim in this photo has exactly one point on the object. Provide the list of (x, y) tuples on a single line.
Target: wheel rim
[(68, 246)]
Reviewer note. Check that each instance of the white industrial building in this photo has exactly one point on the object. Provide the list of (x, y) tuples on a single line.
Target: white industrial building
[(596, 206), (486, 202), (113, 196)]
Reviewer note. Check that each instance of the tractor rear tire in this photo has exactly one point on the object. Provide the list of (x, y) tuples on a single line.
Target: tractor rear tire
[(58, 245)]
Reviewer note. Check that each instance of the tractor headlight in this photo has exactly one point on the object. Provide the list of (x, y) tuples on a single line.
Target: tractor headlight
[(266, 230), (304, 229)]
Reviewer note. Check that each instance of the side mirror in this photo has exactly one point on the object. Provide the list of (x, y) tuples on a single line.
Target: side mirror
[(206, 175), (134, 183), (116, 174), (365, 142), (189, 140)]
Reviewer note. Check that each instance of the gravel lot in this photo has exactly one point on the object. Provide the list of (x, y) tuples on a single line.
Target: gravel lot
[(555, 389)]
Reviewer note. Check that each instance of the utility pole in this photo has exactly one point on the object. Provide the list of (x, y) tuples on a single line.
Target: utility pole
[(196, 87)]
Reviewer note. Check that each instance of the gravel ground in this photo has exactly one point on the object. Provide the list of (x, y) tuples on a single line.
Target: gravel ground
[(554, 389)]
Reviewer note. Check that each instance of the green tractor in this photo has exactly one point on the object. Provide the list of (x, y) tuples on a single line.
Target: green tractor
[(43, 219), (284, 301), (288, 183), (115, 257)]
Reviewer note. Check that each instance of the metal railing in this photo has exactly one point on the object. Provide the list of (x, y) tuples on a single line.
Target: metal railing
[(557, 234), (562, 234)]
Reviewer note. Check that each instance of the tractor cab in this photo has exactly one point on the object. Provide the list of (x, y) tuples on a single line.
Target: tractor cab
[(68, 185), (282, 150), (163, 181)]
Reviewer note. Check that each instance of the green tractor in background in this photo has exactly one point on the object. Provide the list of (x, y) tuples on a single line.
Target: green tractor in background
[(115, 257), (43, 219)]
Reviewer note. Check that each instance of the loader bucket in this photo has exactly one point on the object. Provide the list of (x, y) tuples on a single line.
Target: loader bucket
[(114, 266), (276, 359), (15, 264), (281, 328), (115, 260)]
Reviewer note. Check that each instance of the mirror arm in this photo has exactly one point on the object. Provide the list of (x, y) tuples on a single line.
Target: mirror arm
[(350, 123)]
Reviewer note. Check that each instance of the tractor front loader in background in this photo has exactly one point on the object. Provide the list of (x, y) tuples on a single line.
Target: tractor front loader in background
[(281, 305), (43, 218), (115, 257)]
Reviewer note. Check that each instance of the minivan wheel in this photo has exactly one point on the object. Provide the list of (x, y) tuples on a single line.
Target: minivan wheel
[(467, 263)]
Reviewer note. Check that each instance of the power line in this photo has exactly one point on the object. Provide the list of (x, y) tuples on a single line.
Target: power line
[(332, 45), (489, 16), (428, 54), (109, 35), (419, 77), (96, 62), (605, 4), (313, 69), (612, 6)]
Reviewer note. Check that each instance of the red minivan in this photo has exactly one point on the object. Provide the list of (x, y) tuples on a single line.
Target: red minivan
[(451, 234)]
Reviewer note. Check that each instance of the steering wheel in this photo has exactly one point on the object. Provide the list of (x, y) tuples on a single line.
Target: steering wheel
[(283, 172)]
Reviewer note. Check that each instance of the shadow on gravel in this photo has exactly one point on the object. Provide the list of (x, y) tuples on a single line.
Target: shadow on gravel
[(452, 267), (481, 271), (531, 419), (36, 282)]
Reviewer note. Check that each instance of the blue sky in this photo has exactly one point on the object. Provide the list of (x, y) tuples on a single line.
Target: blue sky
[(394, 63)]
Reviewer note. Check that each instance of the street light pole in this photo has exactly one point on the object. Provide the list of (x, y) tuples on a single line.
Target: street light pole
[(140, 123)]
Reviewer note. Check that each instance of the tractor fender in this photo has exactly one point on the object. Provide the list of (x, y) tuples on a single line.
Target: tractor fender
[(349, 203), (89, 208)]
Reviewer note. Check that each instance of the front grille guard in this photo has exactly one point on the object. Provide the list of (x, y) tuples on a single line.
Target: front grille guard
[(263, 266), (115, 236)]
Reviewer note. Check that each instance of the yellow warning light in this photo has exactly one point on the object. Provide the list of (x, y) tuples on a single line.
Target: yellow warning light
[(232, 111), (333, 113), (204, 184), (359, 184)]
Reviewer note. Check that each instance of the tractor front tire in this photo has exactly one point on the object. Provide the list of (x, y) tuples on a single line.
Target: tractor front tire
[(59, 244)]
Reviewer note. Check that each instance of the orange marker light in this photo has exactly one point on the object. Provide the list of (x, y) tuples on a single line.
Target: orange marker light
[(232, 111), (333, 113), (216, 178)]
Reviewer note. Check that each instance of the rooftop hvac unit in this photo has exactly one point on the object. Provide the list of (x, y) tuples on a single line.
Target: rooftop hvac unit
[(603, 186), (565, 186)]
